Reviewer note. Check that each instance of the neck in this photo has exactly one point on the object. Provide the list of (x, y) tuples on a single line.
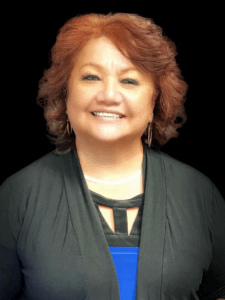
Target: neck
[(110, 162)]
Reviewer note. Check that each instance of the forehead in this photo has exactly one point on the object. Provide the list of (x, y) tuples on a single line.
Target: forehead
[(102, 54)]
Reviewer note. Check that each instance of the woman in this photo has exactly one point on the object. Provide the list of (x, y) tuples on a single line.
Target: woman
[(107, 215)]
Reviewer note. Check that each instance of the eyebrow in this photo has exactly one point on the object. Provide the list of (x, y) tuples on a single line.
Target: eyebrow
[(97, 66)]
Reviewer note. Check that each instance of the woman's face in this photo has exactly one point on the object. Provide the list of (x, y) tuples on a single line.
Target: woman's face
[(102, 80)]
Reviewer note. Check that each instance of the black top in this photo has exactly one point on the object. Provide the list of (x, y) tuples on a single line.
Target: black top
[(54, 245), (121, 238)]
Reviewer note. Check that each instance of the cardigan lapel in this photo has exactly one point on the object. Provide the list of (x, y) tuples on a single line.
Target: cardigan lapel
[(102, 282), (150, 260), (101, 276)]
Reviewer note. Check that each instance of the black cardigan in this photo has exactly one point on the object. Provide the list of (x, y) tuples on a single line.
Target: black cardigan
[(53, 246)]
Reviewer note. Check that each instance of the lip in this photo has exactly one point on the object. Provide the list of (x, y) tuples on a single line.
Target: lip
[(109, 111)]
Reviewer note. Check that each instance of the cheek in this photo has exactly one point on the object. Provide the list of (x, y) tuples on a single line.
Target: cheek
[(146, 100), (84, 94), (76, 99), (142, 104)]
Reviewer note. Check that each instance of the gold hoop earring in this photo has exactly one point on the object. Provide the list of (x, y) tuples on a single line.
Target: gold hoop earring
[(149, 134), (69, 127), (149, 141)]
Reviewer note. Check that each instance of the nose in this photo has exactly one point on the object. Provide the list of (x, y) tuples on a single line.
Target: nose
[(109, 91)]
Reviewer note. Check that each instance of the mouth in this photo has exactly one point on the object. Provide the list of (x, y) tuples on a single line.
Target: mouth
[(113, 116), (108, 118)]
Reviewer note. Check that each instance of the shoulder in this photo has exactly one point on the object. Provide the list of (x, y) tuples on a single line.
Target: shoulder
[(32, 186), (181, 175), (40, 172), (45, 163), (187, 186), (181, 169)]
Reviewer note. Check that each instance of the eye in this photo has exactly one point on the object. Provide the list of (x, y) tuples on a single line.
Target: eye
[(93, 78), (131, 81), (87, 77)]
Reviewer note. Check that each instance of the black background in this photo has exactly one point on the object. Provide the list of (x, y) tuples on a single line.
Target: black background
[(28, 32)]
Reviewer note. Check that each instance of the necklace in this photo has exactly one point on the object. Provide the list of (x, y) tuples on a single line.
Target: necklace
[(113, 182)]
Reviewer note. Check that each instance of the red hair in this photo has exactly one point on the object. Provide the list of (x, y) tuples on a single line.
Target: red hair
[(143, 43)]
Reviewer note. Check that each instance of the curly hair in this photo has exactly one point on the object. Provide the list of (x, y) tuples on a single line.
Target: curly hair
[(143, 43)]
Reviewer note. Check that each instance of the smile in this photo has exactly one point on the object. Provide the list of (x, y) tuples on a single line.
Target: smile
[(108, 118), (103, 114)]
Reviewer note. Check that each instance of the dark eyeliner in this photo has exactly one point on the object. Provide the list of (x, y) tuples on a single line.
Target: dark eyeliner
[(86, 77), (132, 81)]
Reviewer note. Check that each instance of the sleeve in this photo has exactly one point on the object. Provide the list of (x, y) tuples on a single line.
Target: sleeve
[(11, 278), (213, 284)]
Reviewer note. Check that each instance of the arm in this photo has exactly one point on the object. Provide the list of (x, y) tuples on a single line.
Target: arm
[(214, 284), (10, 269)]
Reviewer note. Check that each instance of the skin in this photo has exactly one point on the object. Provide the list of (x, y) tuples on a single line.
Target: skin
[(109, 150)]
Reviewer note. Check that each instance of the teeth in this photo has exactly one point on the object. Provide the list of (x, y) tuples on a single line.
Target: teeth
[(101, 114)]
